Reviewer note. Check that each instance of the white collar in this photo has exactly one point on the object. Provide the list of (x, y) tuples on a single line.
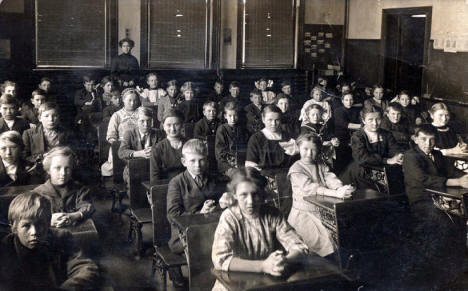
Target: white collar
[(271, 135), (10, 123)]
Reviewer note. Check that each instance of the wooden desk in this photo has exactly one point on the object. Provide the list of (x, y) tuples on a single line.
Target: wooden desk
[(457, 206), (452, 192), (368, 222), (16, 190), (462, 157), (315, 274)]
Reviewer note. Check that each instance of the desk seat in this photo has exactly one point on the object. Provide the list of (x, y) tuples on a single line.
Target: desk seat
[(142, 215), (169, 258)]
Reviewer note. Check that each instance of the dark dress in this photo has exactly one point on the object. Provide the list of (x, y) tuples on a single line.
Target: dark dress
[(342, 118), (165, 161), (268, 154), (400, 131), (254, 118), (191, 110), (230, 147), (204, 128), (446, 137), (125, 67), (290, 123)]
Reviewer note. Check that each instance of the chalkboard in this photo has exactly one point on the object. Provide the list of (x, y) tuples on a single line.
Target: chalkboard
[(322, 45), (71, 33)]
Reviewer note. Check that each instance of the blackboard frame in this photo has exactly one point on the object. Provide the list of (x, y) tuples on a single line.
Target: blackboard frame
[(109, 30)]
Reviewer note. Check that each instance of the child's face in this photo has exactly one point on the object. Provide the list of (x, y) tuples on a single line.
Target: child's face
[(115, 100), (126, 48), (195, 163), (11, 90), (171, 90), (144, 123), (231, 117), (130, 102), (60, 170), (345, 89), (152, 81), (188, 95), (49, 119), (425, 142), (88, 86), (8, 111), (315, 116), (107, 87), (272, 121), (348, 101), (218, 88), (286, 89), (209, 112), (393, 115), (317, 95), (45, 85), (404, 100), (309, 152), (172, 127), (283, 104), (31, 232), (372, 121), (262, 85), (256, 99), (38, 100), (234, 91), (378, 93), (323, 83), (441, 117), (249, 198), (9, 151)]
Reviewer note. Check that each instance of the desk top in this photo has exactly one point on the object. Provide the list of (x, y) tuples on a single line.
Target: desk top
[(312, 273), (461, 156), (16, 190), (183, 222), (358, 195), (457, 192)]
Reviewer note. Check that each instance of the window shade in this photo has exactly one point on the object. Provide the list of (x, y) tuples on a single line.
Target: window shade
[(71, 33), (177, 33), (268, 39)]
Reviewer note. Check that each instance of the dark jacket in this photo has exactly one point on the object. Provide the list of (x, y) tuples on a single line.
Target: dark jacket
[(132, 142), (203, 128), (254, 118), (29, 113), (20, 125), (35, 142), (26, 175), (57, 265), (421, 172), (400, 131), (125, 67), (230, 146)]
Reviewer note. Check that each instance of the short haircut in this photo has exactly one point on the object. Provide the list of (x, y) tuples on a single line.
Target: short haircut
[(438, 106), (196, 146), (87, 79), (209, 104), (234, 84), (256, 92), (281, 96), (218, 81), (31, 206), (394, 106), (145, 111), (150, 75), (313, 106), (368, 110), (377, 86), (105, 80), (285, 83), (173, 113), (6, 84), (130, 42), (262, 79), (115, 92), (45, 79), (271, 108), (186, 87), (12, 136), (171, 83), (58, 151), (318, 89), (250, 175), (38, 92), (349, 93), (314, 138), (8, 99), (48, 106), (231, 106), (404, 92), (426, 129)]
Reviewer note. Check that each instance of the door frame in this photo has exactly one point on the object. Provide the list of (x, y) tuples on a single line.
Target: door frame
[(427, 10)]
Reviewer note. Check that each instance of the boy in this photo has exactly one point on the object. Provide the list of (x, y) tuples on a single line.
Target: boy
[(217, 94), (9, 87), (209, 123), (86, 99), (190, 106), (253, 112), (438, 237), (9, 106), (113, 107), (38, 258), (397, 125), (234, 91), (137, 141), (152, 95), (46, 135), (30, 111)]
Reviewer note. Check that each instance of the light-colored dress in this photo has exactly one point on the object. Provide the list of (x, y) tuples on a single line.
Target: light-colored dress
[(326, 115), (252, 238), (311, 179), (151, 97)]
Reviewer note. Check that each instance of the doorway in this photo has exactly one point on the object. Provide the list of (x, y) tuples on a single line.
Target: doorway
[(404, 47)]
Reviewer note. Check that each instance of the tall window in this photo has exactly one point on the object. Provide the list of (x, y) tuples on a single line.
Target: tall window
[(268, 33), (177, 33)]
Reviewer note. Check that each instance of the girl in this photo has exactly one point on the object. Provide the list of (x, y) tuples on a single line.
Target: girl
[(249, 232), (171, 100), (289, 120), (446, 139), (311, 176), (151, 95), (122, 120), (372, 146), (268, 96), (165, 160), (270, 147), (317, 98), (315, 126), (190, 107), (71, 201), (377, 99), (107, 85)]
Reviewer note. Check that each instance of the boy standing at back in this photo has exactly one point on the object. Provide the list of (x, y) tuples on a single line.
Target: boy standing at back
[(9, 106)]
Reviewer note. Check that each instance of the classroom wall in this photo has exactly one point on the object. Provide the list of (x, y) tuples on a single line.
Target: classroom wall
[(130, 19), (324, 12), (12, 6)]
